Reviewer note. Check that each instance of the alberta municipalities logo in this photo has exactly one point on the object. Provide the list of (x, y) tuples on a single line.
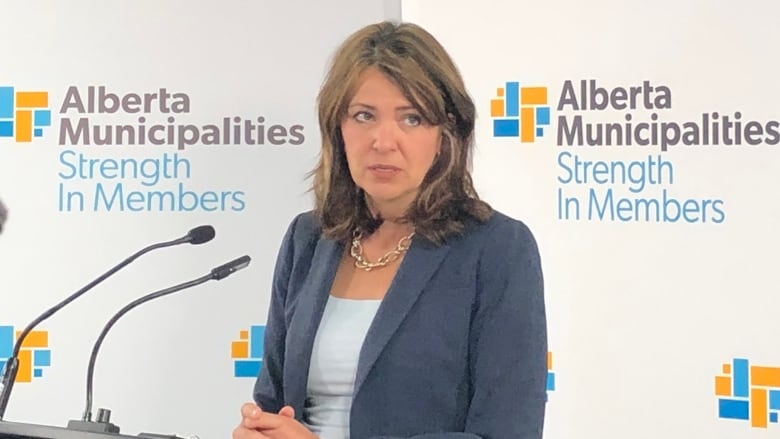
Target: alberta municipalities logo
[(639, 122), (247, 352), (520, 112), (633, 114), (33, 357), (748, 393), (23, 114), (149, 133)]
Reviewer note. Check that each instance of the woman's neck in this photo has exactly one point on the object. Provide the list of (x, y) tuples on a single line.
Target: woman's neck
[(389, 211)]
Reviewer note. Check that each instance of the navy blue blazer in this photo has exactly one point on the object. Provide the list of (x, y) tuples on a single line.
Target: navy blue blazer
[(458, 348)]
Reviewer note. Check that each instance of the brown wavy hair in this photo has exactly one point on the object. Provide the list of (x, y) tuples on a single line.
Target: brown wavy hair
[(417, 63)]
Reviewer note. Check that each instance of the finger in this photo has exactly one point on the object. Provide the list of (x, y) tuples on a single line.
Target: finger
[(249, 410), (263, 421), (287, 411)]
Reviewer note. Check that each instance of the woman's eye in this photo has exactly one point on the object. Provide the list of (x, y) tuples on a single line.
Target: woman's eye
[(413, 120), (362, 116)]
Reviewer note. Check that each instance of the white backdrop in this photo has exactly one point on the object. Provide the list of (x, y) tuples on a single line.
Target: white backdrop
[(644, 311), (166, 367)]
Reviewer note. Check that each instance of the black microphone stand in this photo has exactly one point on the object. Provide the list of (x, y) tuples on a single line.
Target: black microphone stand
[(197, 235), (102, 428), (103, 423)]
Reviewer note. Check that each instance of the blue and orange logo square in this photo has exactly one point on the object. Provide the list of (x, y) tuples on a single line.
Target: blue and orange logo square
[(748, 393), (550, 373), (520, 112), (247, 352), (23, 114), (34, 355)]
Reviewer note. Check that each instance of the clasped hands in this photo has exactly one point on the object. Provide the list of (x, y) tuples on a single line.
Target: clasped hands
[(258, 424)]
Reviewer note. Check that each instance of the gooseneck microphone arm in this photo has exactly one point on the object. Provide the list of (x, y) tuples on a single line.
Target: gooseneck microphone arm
[(217, 273), (198, 235)]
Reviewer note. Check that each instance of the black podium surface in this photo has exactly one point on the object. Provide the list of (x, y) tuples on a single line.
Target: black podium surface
[(16, 430)]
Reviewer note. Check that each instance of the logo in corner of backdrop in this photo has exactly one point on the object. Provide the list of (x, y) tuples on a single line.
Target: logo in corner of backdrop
[(748, 393), (550, 373), (23, 114), (520, 111), (247, 352), (33, 357)]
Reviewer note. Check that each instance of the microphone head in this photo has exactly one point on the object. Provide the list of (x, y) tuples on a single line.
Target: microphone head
[(201, 234), (231, 267)]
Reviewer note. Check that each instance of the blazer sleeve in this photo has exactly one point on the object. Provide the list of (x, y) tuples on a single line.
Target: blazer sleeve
[(508, 341), (268, 391), (508, 360)]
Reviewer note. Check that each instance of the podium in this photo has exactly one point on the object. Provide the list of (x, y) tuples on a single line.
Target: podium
[(16, 430)]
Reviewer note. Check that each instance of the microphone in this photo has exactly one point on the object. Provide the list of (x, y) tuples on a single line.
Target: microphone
[(103, 423), (198, 235)]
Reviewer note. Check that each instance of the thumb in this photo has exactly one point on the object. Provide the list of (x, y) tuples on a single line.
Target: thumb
[(287, 411)]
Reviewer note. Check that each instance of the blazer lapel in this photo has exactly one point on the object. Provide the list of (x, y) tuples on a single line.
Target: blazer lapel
[(417, 267), (306, 320)]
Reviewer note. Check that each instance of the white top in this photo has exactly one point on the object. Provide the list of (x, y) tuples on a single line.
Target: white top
[(333, 366)]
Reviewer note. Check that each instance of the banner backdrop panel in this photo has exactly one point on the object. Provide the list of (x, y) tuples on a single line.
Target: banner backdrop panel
[(130, 123), (639, 141)]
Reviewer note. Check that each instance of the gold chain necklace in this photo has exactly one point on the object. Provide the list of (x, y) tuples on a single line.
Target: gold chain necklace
[(360, 262)]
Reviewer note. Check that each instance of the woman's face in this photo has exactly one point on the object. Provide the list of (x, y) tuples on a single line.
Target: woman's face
[(389, 147)]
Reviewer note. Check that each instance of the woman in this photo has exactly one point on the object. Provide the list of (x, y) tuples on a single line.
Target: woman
[(403, 305)]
